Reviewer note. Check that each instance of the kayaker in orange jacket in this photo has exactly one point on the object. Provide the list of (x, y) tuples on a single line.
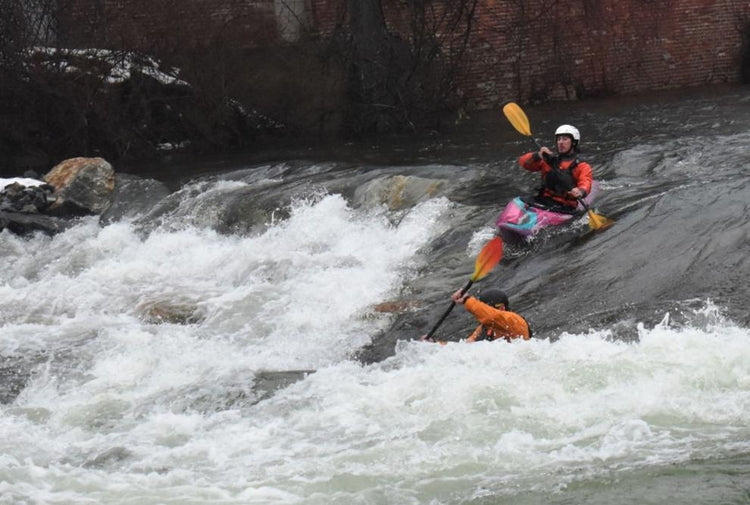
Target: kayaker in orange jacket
[(496, 320), (564, 177)]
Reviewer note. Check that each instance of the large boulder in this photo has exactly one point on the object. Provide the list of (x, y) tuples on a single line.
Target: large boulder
[(82, 186)]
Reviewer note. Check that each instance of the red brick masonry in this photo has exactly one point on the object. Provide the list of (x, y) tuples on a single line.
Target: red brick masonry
[(518, 49)]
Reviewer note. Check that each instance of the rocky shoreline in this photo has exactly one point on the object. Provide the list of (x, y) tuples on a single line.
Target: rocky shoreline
[(73, 188)]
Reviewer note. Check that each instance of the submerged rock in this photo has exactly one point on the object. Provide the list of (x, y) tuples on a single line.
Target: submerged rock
[(25, 223), (132, 197), (109, 458), (399, 192), (13, 378), (170, 313), (397, 306)]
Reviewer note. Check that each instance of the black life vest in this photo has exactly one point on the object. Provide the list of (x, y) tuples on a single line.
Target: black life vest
[(559, 181)]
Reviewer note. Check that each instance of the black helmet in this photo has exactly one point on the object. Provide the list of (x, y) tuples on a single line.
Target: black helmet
[(494, 297)]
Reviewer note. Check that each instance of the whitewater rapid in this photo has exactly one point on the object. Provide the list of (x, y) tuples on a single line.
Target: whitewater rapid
[(251, 337), (118, 408)]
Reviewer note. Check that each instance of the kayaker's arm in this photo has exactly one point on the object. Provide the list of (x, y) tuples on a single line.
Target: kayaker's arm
[(505, 323), (584, 178), (532, 162)]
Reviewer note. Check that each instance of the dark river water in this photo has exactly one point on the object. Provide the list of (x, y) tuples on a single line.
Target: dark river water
[(244, 329)]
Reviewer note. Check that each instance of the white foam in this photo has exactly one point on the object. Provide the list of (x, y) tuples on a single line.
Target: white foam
[(120, 408)]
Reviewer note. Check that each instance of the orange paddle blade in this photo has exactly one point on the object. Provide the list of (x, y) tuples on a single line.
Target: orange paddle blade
[(517, 118), (488, 257)]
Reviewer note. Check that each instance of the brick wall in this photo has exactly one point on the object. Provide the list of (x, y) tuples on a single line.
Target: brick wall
[(547, 50), (579, 48), (519, 49), (157, 24)]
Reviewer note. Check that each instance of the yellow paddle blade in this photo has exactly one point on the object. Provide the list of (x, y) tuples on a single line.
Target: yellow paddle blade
[(598, 222), (517, 118), (488, 257)]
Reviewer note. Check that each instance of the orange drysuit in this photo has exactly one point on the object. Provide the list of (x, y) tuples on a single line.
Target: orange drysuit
[(582, 176), (496, 323)]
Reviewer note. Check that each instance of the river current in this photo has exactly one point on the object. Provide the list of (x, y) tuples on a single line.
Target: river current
[(245, 330)]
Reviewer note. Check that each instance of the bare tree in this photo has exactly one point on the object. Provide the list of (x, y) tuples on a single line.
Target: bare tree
[(404, 76), (380, 71)]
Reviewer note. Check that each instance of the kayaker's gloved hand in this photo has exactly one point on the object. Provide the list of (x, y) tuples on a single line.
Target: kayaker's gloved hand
[(543, 153), (459, 297), (425, 338), (578, 193)]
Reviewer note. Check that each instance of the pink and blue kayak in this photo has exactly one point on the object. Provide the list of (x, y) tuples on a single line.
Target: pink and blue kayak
[(521, 220)]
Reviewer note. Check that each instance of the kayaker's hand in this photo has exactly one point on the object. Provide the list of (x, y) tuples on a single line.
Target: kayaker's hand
[(459, 297), (424, 338), (545, 153), (577, 193)]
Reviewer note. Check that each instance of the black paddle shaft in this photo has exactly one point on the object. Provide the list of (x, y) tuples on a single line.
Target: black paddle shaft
[(450, 308)]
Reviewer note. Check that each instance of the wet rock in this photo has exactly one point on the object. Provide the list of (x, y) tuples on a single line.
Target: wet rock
[(397, 306), (267, 382), (27, 223), (109, 458), (75, 187), (133, 196), (13, 378), (18, 197), (22, 207), (170, 313), (82, 186), (399, 192)]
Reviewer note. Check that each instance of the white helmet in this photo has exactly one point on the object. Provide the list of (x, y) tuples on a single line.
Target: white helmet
[(567, 129)]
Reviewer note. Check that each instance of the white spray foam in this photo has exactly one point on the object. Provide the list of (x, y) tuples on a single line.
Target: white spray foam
[(472, 418)]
